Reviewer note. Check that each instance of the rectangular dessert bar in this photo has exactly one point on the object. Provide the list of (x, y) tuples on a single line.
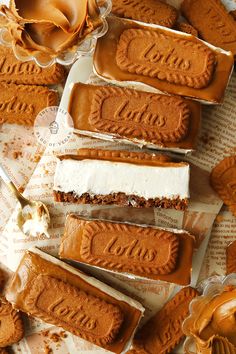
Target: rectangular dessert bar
[(136, 117), (27, 73), (163, 332), (143, 251), (166, 60), (116, 177), (20, 104), (57, 293)]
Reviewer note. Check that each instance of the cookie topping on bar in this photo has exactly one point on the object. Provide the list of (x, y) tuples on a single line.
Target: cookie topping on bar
[(84, 315), (166, 57), (11, 324), (163, 332), (129, 248), (150, 11), (214, 24), (223, 180), (135, 114)]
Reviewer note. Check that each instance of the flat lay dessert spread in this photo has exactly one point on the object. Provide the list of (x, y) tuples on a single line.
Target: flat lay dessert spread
[(125, 177)]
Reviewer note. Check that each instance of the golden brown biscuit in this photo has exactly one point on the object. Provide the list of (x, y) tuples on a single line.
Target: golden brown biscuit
[(213, 22), (163, 332), (223, 181), (20, 104), (11, 329), (18, 72), (187, 28), (150, 11)]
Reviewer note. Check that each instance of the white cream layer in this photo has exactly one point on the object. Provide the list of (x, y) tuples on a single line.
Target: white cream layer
[(105, 177)]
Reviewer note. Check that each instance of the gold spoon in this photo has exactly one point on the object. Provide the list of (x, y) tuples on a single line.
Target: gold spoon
[(33, 216)]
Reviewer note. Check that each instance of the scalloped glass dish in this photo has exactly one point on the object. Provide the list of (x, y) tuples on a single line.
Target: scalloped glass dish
[(68, 57), (211, 287)]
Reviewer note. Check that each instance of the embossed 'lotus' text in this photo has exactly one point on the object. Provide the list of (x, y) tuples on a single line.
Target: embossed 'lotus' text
[(65, 305), (14, 106), (18, 68), (166, 56)]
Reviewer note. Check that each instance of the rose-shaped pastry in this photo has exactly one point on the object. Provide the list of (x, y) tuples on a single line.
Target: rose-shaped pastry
[(46, 28)]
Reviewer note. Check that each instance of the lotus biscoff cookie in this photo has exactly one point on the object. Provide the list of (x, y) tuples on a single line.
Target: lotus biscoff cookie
[(11, 328), (150, 11), (20, 104), (223, 181), (27, 73), (214, 24)]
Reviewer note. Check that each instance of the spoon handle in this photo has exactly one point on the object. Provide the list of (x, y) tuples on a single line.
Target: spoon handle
[(9, 183)]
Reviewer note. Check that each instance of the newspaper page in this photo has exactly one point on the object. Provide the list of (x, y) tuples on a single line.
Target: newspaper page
[(217, 124)]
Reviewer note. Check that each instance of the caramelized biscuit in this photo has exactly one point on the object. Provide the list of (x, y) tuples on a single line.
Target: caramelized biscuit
[(141, 158), (221, 345), (187, 28), (82, 314), (214, 24), (223, 181), (20, 104), (231, 258), (29, 73), (163, 332), (165, 57), (150, 11), (3, 351), (11, 328), (139, 115), (127, 248)]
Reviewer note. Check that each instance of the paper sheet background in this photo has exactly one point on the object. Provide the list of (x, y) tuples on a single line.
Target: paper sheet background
[(217, 139)]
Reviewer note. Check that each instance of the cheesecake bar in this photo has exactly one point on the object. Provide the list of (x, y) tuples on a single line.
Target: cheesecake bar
[(137, 117), (59, 294), (113, 177), (140, 250), (166, 60)]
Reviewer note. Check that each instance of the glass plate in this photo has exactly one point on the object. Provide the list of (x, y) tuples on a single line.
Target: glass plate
[(66, 57)]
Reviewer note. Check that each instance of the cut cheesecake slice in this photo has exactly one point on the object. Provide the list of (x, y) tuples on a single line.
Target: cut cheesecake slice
[(121, 178)]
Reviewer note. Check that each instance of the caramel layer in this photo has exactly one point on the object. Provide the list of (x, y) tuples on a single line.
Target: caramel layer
[(60, 296), (231, 258), (20, 104), (163, 332), (140, 117), (150, 11), (144, 251), (18, 72), (137, 158), (165, 57), (213, 22), (12, 328), (84, 315), (182, 82), (223, 180)]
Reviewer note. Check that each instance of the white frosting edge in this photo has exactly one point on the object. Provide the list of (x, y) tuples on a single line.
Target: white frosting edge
[(98, 177)]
